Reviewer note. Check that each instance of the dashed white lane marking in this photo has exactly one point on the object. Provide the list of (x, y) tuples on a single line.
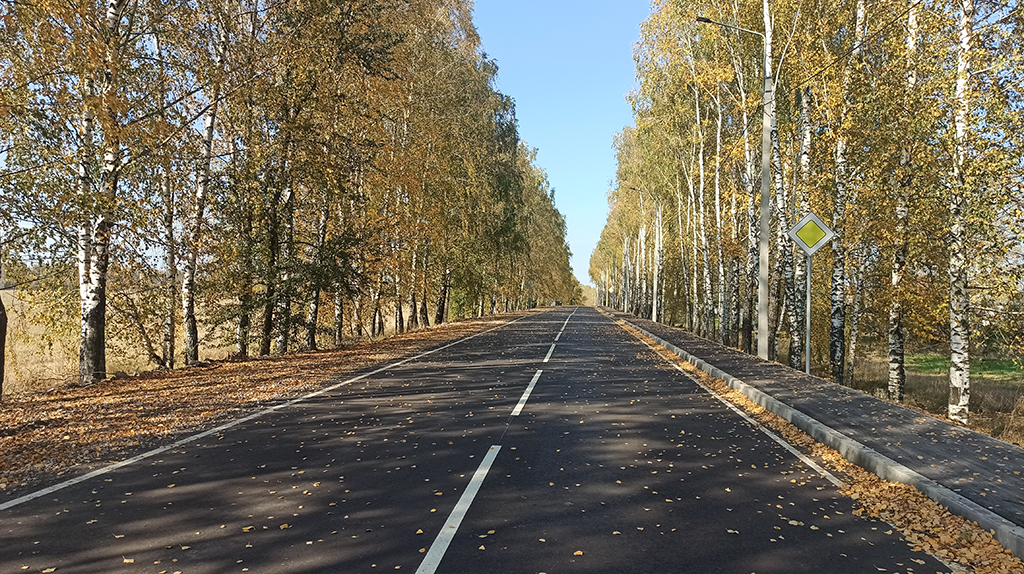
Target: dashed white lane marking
[(451, 526), (551, 350), (99, 472), (526, 394), (558, 336)]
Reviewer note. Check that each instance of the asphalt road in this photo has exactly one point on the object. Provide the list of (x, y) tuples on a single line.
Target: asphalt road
[(614, 462)]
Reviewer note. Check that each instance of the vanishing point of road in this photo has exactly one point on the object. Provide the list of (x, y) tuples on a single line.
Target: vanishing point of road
[(554, 443)]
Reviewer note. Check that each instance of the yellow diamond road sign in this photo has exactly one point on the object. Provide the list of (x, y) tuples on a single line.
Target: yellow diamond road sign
[(811, 234)]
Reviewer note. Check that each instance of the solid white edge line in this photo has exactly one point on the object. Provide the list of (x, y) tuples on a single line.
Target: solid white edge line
[(101, 471), (785, 444), (551, 350), (451, 526), (526, 394)]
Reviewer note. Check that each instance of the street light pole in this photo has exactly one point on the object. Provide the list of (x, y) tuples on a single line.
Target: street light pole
[(768, 107)]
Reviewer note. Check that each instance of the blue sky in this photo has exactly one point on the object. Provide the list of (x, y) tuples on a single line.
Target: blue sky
[(568, 65)]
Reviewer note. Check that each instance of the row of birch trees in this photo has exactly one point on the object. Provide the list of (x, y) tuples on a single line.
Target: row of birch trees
[(267, 174), (898, 122)]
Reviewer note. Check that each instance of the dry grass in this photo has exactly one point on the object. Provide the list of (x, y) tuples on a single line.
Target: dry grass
[(33, 364)]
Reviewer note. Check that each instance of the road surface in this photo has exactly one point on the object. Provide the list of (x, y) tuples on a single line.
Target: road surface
[(556, 443)]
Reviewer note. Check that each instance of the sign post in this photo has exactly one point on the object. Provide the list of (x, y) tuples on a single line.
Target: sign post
[(810, 234)]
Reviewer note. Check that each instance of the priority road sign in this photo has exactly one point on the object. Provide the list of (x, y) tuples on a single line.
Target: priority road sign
[(811, 234)]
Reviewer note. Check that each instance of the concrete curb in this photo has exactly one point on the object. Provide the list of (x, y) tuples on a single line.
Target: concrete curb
[(1007, 533)]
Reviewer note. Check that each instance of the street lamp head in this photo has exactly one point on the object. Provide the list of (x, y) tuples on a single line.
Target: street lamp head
[(703, 20)]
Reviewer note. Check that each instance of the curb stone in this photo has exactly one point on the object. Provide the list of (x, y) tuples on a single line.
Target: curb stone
[(1010, 535)]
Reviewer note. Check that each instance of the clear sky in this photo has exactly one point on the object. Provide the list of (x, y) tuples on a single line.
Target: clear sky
[(569, 65)]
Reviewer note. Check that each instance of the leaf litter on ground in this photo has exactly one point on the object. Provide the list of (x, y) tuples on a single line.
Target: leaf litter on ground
[(45, 434)]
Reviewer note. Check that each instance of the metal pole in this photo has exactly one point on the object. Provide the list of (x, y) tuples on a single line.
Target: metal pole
[(762, 275), (807, 338)]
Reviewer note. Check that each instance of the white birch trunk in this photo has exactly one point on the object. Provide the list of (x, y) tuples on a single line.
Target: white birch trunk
[(283, 308), (708, 296), (897, 380), (167, 197), (837, 329), (682, 256), (94, 234), (858, 283), (339, 316), (801, 193), (625, 274), (659, 239), (785, 253), (195, 226), (744, 323), (89, 364), (194, 237), (313, 311), (959, 298)]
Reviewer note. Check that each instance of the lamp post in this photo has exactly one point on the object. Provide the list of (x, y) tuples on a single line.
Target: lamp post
[(768, 106)]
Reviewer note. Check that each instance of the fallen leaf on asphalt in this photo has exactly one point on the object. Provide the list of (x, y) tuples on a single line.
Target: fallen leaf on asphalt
[(578, 553)]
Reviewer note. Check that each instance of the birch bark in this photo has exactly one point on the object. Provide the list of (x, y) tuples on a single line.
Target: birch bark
[(195, 229), (959, 298), (167, 197), (857, 283), (94, 234), (708, 297), (195, 224), (339, 316), (897, 380), (283, 307), (745, 324), (789, 288), (313, 311), (801, 193), (837, 328)]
